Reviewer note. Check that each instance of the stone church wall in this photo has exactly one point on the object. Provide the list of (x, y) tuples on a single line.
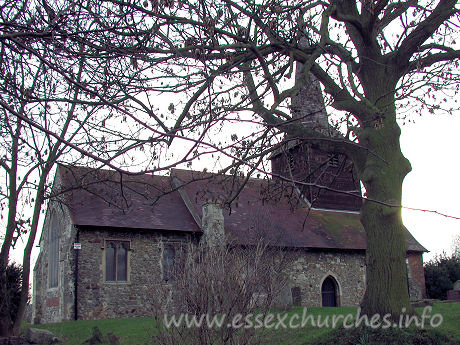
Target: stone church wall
[(139, 295), (101, 299), (145, 289), (52, 304)]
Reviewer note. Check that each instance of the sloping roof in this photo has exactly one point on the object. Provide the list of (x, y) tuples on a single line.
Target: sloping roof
[(257, 213), (106, 198), (259, 210)]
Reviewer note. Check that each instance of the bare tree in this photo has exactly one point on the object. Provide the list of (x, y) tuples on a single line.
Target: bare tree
[(29, 156), (234, 59), (47, 114)]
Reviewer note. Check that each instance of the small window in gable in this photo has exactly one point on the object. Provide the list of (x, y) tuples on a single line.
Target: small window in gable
[(53, 265), (116, 260), (291, 161), (333, 160)]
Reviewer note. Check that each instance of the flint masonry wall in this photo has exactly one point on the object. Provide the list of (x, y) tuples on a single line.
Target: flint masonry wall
[(140, 294), (310, 268), (145, 291)]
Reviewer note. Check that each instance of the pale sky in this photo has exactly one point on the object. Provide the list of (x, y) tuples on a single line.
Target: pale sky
[(432, 145)]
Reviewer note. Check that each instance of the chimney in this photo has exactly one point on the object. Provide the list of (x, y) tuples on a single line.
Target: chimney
[(212, 224), (308, 104)]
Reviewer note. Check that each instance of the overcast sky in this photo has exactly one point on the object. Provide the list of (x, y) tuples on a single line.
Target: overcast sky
[(432, 145)]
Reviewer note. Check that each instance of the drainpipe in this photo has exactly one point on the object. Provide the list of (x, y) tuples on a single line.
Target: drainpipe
[(76, 276)]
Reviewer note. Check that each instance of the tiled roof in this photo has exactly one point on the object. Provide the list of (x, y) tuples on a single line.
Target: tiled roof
[(259, 209), (106, 198)]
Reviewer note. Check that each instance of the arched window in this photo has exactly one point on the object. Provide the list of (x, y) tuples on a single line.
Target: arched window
[(53, 257), (296, 296), (173, 264), (116, 260), (329, 292), (169, 260), (110, 262)]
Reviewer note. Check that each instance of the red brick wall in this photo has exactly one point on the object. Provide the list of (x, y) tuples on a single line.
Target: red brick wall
[(417, 274), (453, 295), (52, 302)]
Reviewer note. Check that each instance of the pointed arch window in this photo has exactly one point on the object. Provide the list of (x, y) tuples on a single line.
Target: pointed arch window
[(53, 264), (296, 296), (169, 262), (174, 254)]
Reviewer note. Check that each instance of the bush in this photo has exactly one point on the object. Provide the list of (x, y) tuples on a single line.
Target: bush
[(10, 295), (223, 280), (440, 275)]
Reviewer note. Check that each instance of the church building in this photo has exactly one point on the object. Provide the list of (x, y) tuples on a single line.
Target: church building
[(107, 237)]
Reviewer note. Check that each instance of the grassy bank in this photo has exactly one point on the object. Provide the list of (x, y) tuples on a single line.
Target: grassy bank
[(140, 330)]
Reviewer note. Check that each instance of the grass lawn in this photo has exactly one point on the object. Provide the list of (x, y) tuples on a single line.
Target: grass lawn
[(140, 330)]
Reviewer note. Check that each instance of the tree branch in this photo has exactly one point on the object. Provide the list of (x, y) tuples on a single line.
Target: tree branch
[(432, 59), (392, 12), (411, 44), (292, 127)]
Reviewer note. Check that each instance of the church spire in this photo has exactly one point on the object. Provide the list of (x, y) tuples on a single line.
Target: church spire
[(308, 104)]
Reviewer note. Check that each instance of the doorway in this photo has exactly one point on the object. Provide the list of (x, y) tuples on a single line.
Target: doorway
[(329, 292)]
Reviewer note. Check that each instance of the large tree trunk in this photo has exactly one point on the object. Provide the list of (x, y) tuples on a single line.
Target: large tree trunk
[(386, 280), (382, 175)]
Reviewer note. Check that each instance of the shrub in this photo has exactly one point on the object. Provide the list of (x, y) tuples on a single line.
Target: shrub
[(440, 275), (10, 295), (224, 281)]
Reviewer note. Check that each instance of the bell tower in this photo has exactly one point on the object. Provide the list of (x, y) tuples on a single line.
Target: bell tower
[(310, 167)]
